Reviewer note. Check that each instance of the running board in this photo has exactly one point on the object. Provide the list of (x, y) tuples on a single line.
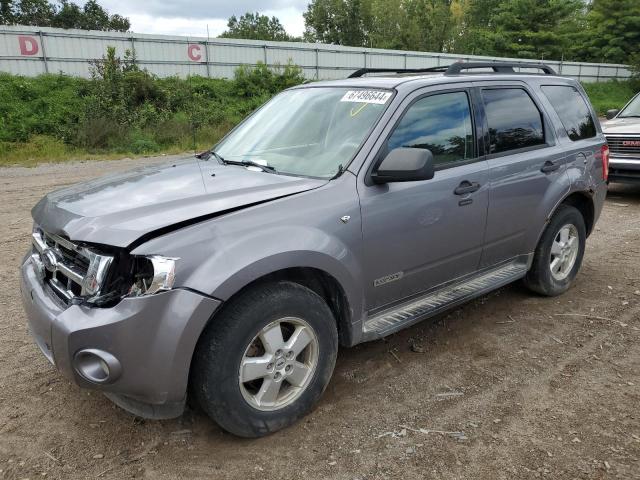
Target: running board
[(441, 299)]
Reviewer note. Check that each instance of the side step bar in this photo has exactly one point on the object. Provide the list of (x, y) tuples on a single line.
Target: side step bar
[(443, 298)]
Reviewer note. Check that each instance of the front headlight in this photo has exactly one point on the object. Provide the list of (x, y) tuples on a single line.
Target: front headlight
[(152, 275)]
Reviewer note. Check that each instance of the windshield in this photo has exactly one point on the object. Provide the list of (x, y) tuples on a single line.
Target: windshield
[(632, 109), (308, 131)]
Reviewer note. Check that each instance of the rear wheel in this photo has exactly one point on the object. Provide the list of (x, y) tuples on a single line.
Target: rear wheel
[(265, 359), (559, 253)]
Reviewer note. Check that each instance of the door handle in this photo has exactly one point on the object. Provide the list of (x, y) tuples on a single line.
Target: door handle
[(466, 187), (549, 167)]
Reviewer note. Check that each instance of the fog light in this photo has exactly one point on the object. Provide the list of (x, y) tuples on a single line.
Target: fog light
[(97, 366)]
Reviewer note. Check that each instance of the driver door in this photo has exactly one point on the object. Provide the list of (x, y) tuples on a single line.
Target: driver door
[(418, 235)]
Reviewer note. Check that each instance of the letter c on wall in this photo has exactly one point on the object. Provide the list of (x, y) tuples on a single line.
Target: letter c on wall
[(28, 45), (194, 52)]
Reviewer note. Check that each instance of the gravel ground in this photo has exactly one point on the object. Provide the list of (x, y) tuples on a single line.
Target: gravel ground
[(510, 386)]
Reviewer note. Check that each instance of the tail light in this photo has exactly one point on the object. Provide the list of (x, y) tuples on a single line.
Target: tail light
[(604, 153)]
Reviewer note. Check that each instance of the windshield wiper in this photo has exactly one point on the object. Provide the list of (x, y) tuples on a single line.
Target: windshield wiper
[(217, 155), (247, 163)]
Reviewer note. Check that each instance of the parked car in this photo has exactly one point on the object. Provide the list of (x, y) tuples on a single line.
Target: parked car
[(338, 213), (622, 131)]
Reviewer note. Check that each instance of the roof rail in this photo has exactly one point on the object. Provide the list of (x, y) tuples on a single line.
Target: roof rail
[(497, 66), (363, 71), (459, 68)]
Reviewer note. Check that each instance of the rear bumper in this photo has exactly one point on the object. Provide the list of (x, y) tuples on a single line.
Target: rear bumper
[(624, 169), (151, 339)]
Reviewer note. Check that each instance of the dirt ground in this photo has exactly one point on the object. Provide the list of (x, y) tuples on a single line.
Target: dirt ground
[(510, 386)]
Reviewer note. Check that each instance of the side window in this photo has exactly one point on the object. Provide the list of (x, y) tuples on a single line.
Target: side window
[(514, 120), (440, 123), (572, 110)]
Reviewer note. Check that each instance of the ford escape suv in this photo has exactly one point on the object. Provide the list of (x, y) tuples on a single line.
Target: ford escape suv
[(337, 213)]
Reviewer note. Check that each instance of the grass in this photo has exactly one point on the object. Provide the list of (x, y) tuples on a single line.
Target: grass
[(123, 111), (607, 95), (45, 149)]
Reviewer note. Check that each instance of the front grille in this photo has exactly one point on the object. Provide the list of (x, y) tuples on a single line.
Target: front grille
[(72, 271), (627, 146)]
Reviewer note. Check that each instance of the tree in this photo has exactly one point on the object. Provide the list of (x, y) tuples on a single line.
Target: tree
[(254, 26), (613, 31), (65, 15), (6, 12), (399, 24), (432, 24), (94, 17), (34, 12), (341, 22), (524, 28), (69, 15)]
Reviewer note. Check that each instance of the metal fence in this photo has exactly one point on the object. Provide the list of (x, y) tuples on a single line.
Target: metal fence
[(32, 51)]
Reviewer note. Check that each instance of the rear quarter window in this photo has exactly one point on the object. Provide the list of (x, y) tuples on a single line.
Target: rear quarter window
[(514, 119), (572, 109)]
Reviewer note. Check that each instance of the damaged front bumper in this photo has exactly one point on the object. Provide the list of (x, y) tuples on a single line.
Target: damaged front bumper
[(137, 352)]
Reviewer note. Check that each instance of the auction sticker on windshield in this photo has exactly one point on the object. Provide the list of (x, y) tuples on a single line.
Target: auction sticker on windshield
[(366, 96)]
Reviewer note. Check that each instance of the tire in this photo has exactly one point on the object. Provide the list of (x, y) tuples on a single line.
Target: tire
[(235, 337), (540, 278)]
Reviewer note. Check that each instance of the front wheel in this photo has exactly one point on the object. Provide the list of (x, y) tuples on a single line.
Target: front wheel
[(559, 253), (265, 360)]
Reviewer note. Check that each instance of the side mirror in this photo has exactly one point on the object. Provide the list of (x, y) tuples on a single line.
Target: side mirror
[(405, 165), (612, 113)]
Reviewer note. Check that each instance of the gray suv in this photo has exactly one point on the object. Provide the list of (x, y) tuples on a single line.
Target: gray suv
[(338, 213)]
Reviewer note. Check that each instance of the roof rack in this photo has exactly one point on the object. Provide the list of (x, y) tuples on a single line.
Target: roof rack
[(498, 67), (459, 67), (363, 71)]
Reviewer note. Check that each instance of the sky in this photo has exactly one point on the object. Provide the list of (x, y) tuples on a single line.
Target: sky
[(190, 17)]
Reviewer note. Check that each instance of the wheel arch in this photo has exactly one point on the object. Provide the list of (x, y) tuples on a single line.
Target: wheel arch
[(583, 202), (320, 282)]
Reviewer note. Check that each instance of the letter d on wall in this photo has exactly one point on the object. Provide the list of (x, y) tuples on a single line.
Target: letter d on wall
[(28, 45)]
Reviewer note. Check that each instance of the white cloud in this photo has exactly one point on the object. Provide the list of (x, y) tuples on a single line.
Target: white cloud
[(181, 17)]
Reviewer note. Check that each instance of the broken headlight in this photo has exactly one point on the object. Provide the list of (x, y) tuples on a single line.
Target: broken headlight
[(152, 275)]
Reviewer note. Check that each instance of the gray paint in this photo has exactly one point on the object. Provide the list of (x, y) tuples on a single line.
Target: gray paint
[(401, 240)]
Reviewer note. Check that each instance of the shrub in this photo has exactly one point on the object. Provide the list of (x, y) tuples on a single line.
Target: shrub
[(124, 109)]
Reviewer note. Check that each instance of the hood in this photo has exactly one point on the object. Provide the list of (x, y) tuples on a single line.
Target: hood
[(621, 126), (119, 209)]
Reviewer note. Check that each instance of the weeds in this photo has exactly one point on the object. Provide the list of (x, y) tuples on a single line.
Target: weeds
[(123, 110)]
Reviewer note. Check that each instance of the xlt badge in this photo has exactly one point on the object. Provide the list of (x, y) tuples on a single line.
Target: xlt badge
[(389, 278)]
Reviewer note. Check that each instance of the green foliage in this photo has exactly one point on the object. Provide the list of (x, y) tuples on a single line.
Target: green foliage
[(607, 95), (254, 26), (635, 71), (614, 31), (580, 30), (262, 81), (127, 110), (529, 28), (343, 22), (42, 13)]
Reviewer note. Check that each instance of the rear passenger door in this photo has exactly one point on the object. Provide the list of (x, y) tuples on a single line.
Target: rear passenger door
[(418, 235), (526, 168)]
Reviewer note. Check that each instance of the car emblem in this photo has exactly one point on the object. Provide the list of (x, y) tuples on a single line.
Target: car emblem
[(49, 259), (631, 143)]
